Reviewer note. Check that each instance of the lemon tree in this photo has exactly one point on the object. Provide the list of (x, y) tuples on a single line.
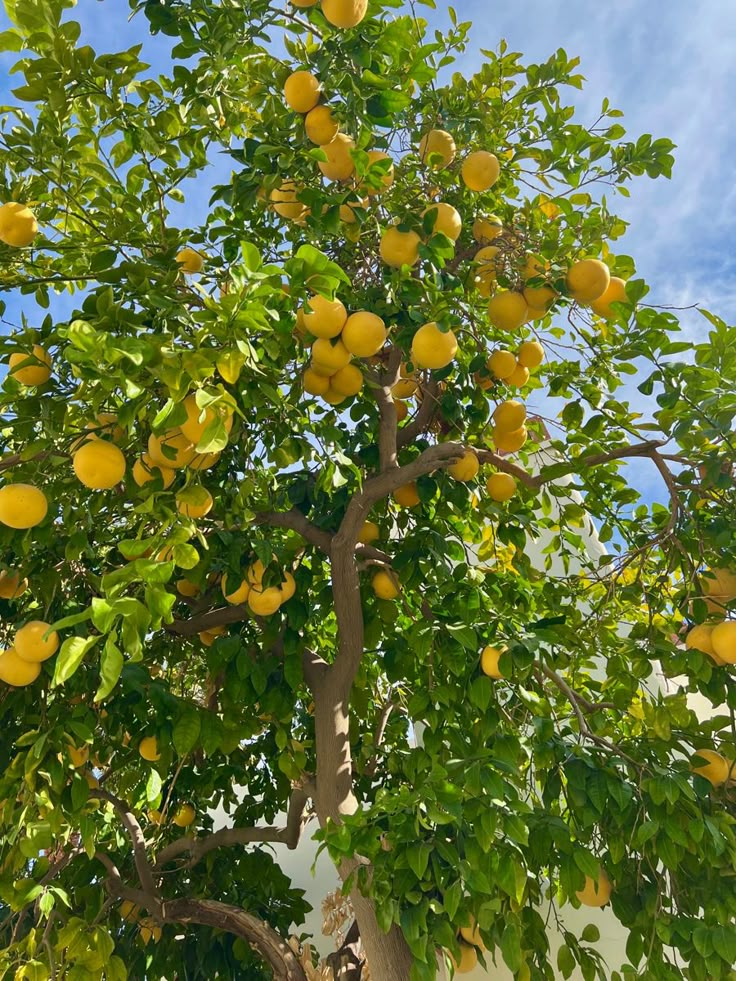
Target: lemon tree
[(327, 376)]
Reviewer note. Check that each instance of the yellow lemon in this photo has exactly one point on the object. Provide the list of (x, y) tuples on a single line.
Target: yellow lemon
[(441, 143), (184, 816), (615, 292), (489, 662), (387, 178), (190, 261), (484, 274), (11, 585), (370, 532), (314, 383), (323, 317), (595, 894), (339, 165), (264, 602), (406, 496), (32, 644), (17, 672), (145, 470), (285, 200), (502, 364), (480, 170), (400, 248), (194, 502), (501, 487), (347, 381), (466, 467), (302, 91), (321, 126), (22, 505), (588, 280), (518, 377), (432, 347), (30, 368), (148, 749), (344, 13), (446, 219), (99, 465), (18, 225), (507, 310), (385, 585), (364, 334), (531, 354), (329, 357), (172, 450), (510, 441), (198, 419), (468, 959), (486, 229), (509, 415), (723, 639)]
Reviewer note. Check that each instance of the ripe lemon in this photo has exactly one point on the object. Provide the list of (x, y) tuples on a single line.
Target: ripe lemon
[(302, 91), (507, 310), (329, 357), (99, 465), (518, 377), (264, 602), (466, 467), (531, 354), (510, 441), (11, 585), (447, 219), (323, 317), (370, 532), (489, 662), (321, 126), (148, 749), (615, 292), (18, 225), (400, 248), (509, 415), (720, 583), (190, 261), (22, 505), (432, 347), (588, 279), (486, 229), (194, 502), (502, 364), (238, 595), (187, 588), (32, 368), (385, 585), (344, 13), (339, 165), (468, 959), (203, 461), (288, 587), (17, 672), (595, 894), (172, 450), (407, 496), (480, 170), (145, 470), (32, 644), (184, 816), (471, 935), (440, 142), (700, 638), (404, 388), (314, 383), (347, 381), (716, 768), (723, 639), (501, 487), (79, 756), (198, 419), (208, 637), (402, 411), (539, 298), (484, 273), (286, 202), (364, 334)]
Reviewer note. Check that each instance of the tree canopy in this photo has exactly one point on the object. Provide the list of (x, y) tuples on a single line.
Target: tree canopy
[(303, 475)]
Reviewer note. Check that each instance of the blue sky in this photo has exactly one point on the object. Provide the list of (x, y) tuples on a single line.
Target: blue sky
[(670, 66)]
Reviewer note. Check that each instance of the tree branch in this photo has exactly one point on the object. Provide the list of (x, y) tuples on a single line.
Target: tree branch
[(130, 822), (294, 520), (424, 417), (387, 432), (211, 618)]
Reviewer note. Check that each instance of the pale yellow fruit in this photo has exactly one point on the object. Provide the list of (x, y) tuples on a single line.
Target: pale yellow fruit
[(489, 662), (595, 894), (190, 261), (238, 595), (302, 91), (286, 202), (32, 644), (723, 639), (329, 356), (385, 585), (466, 467), (184, 816), (79, 756), (30, 368), (347, 381), (402, 411), (22, 506), (148, 749), (16, 671), (18, 225), (480, 170), (407, 496), (364, 334), (440, 142), (344, 13), (333, 397), (321, 126), (720, 583), (400, 248), (539, 299), (518, 377), (99, 465), (507, 310), (615, 292), (404, 388), (501, 487), (203, 461), (208, 637), (587, 280), (187, 588), (700, 638), (339, 165), (128, 910), (712, 766), (468, 959), (432, 347), (323, 317), (502, 364), (198, 419), (313, 383), (11, 585), (264, 602), (287, 587), (471, 935), (387, 179), (486, 229), (145, 470), (347, 214), (531, 354), (510, 442), (484, 274), (173, 450), (370, 532), (447, 219), (194, 502), (509, 415)]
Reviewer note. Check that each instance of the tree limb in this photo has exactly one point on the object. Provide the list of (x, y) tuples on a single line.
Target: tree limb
[(424, 417), (131, 825), (298, 522), (387, 432)]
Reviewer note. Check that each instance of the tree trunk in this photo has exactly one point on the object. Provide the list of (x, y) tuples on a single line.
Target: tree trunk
[(388, 954)]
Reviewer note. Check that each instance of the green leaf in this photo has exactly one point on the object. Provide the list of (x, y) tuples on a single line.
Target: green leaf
[(186, 731), (111, 666), (153, 786), (70, 656)]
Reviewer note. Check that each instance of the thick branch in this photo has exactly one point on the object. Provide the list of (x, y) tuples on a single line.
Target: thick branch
[(424, 417), (506, 466), (130, 823), (209, 619), (118, 888), (298, 522), (387, 438)]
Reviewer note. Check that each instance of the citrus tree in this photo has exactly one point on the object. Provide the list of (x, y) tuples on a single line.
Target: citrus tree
[(299, 468)]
